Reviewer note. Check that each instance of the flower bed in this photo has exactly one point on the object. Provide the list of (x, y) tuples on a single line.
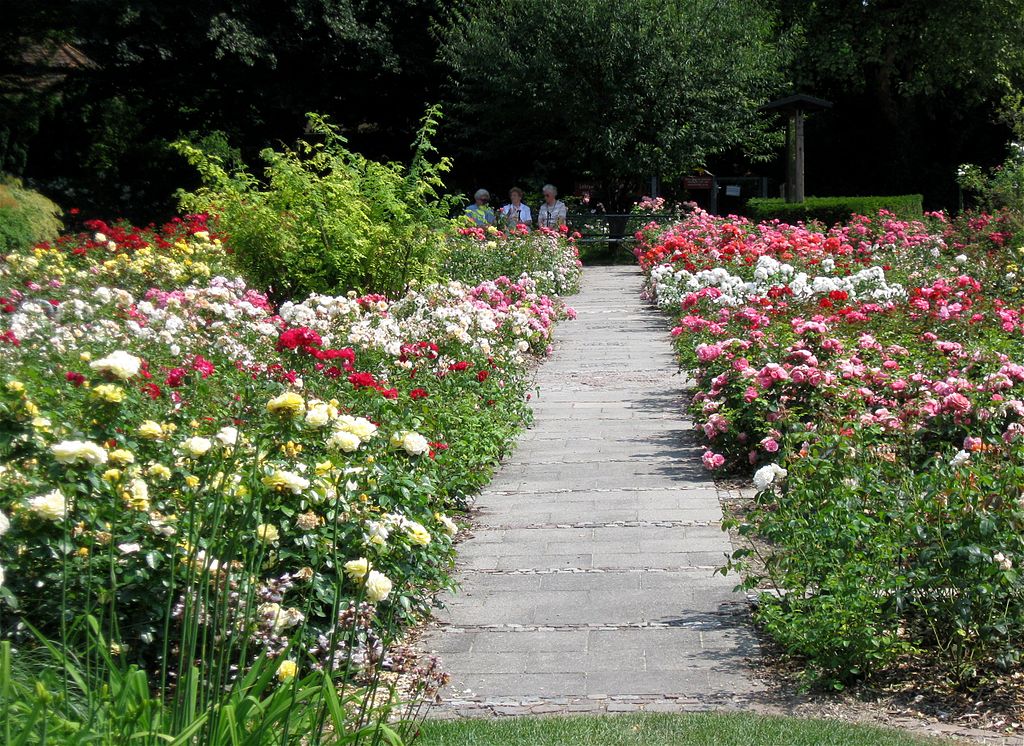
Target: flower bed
[(548, 257), (213, 477), (872, 375)]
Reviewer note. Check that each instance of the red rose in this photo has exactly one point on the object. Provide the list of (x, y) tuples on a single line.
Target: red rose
[(418, 394)]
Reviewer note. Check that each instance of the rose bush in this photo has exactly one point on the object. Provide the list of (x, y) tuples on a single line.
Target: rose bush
[(196, 469), (873, 374)]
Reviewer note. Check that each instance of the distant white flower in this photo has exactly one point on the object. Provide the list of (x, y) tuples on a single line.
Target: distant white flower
[(228, 436), (52, 506), (196, 446), (119, 364), (72, 451), (415, 444), (960, 259), (5, 524), (131, 548), (378, 586), (1003, 561), (961, 458), (343, 440)]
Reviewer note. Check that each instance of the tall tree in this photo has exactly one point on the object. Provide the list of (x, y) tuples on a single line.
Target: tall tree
[(249, 69), (608, 89), (916, 85)]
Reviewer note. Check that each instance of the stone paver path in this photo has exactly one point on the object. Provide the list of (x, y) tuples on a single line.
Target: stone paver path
[(587, 583)]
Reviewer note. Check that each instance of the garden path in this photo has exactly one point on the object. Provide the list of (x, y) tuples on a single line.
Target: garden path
[(588, 583)]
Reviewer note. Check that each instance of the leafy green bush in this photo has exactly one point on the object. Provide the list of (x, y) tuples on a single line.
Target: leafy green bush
[(326, 219), (549, 257), (876, 554), (832, 210), (26, 217)]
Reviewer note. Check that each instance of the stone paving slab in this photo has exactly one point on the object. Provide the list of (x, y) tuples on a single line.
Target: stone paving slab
[(587, 581)]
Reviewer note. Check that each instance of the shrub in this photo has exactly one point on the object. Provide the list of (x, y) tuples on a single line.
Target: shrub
[(549, 257), (26, 217), (325, 219), (872, 373), (832, 210)]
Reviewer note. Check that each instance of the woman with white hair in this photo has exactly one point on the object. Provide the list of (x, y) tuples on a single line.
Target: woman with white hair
[(552, 214), (516, 212), (479, 212)]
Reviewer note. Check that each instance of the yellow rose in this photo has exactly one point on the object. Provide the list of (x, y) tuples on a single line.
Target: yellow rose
[(287, 670), (112, 475), (356, 569), (417, 533), (192, 481), (378, 586), (159, 471), (108, 392), (151, 430), (267, 533), (287, 404), (137, 495), (121, 456), (15, 387)]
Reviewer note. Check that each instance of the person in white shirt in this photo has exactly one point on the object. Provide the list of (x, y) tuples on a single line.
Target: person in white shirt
[(552, 214), (515, 212)]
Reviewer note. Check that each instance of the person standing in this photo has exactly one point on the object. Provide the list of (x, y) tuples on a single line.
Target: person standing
[(515, 212), (552, 213), (479, 212)]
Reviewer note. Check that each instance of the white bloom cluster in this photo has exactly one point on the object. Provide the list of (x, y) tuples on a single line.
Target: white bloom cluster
[(870, 283), (768, 475)]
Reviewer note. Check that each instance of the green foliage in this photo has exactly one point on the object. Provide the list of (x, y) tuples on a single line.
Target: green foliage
[(644, 729), (549, 257), (326, 219), (26, 217), (832, 210), (612, 88), (876, 554), (1001, 189), (52, 699)]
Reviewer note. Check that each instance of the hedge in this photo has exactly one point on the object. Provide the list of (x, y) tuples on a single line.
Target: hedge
[(26, 217), (832, 210)]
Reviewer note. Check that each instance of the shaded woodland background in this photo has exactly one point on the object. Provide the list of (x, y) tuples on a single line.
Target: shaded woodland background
[(570, 91)]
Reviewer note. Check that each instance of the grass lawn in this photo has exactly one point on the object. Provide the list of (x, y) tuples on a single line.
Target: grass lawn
[(691, 729)]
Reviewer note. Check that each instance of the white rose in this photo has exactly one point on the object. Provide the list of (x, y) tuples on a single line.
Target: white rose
[(357, 425), (961, 458), (343, 440), (415, 444), (228, 436), (52, 506), (71, 451), (5, 524), (318, 415), (119, 364), (764, 477), (378, 586), (197, 446), (131, 548)]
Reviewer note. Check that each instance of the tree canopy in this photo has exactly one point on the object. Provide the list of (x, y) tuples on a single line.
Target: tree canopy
[(606, 88), (569, 90)]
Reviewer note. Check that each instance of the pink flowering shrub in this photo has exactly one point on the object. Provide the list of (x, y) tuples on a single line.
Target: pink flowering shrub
[(872, 375)]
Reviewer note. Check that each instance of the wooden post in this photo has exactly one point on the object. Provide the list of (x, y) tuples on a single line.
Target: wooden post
[(799, 196), (795, 151), (796, 107)]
